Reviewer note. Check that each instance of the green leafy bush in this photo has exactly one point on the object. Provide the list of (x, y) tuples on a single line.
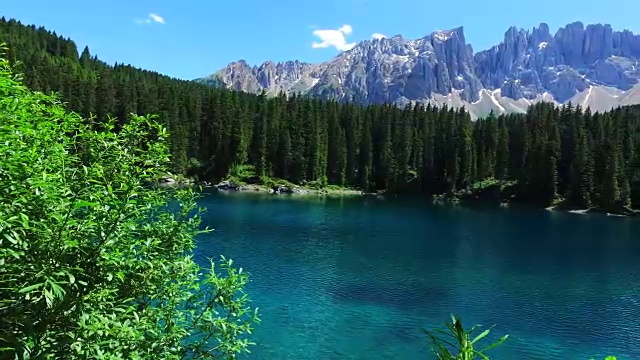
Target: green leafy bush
[(93, 265), (239, 173), (456, 343)]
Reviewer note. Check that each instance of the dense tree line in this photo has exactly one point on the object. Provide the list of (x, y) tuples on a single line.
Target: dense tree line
[(553, 153)]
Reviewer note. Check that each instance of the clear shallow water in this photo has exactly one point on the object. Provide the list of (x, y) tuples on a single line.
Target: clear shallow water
[(359, 278)]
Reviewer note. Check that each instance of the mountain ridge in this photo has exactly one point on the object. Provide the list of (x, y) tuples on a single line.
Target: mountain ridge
[(591, 65)]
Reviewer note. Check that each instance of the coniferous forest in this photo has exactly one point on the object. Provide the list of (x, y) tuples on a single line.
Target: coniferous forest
[(553, 154)]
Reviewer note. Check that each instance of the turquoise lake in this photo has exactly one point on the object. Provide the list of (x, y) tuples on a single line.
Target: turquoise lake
[(355, 278)]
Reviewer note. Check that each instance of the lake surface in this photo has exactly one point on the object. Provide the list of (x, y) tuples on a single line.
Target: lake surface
[(358, 278)]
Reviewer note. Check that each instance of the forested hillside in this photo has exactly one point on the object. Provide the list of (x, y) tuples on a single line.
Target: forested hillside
[(553, 154)]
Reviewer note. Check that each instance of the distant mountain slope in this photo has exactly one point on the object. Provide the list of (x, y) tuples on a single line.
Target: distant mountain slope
[(594, 66)]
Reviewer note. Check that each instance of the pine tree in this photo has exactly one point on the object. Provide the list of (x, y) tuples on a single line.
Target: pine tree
[(553, 148), (581, 170), (464, 142), (258, 153), (402, 141), (85, 58), (365, 156), (610, 186), (336, 149), (105, 91), (502, 152), (284, 153)]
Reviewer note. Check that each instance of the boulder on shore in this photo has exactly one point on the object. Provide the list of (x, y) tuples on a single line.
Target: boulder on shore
[(281, 189), (227, 185), (166, 179)]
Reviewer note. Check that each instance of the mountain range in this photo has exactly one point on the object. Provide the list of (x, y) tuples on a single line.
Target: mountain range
[(592, 66)]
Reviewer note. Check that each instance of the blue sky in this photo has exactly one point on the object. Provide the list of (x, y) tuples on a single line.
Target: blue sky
[(193, 38)]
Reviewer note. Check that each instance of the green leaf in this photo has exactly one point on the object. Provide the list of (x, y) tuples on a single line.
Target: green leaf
[(480, 336), (500, 341), (10, 238), (57, 290), (30, 288), (83, 203), (25, 220)]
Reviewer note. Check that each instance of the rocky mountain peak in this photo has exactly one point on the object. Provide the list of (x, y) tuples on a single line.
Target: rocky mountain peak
[(445, 35), (528, 65)]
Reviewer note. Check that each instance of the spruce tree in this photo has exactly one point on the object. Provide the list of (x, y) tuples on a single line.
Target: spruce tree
[(502, 152)]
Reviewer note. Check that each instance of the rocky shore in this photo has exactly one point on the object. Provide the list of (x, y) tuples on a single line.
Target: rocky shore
[(279, 189), (285, 189)]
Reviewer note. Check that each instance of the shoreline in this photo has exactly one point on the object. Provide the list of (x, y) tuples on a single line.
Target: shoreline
[(596, 210), (296, 190), (301, 191)]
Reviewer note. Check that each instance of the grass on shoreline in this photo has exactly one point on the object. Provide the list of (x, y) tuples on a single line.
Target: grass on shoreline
[(245, 179)]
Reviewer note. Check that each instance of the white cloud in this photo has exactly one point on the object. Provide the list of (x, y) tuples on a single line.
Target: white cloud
[(151, 18), (334, 37), (378, 36), (157, 18)]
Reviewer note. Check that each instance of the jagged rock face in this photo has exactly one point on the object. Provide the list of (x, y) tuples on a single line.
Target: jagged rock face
[(290, 76), (374, 71), (526, 65), (387, 69)]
